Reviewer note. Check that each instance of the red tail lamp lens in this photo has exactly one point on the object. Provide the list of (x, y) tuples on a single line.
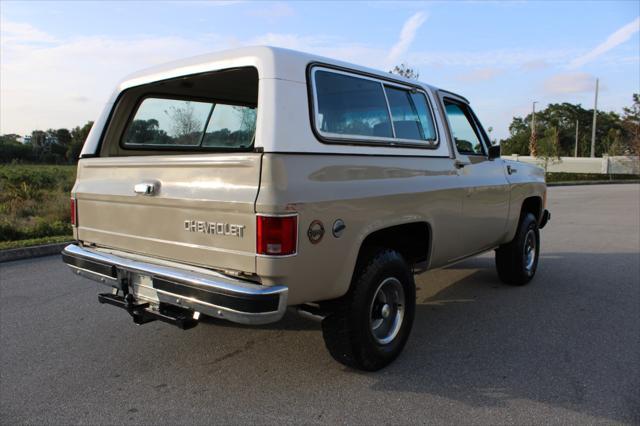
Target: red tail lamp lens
[(277, 235), (74, 217)]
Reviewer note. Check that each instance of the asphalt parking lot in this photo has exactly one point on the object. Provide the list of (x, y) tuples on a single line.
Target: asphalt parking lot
[(565, 349)]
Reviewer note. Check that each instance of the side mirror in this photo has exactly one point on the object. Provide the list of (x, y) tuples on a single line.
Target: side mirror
[(494, 152)]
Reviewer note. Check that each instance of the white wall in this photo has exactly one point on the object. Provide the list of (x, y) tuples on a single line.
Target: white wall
[(604, 165)]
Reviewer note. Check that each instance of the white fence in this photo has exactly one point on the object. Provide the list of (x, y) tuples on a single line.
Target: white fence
[(624, 165)]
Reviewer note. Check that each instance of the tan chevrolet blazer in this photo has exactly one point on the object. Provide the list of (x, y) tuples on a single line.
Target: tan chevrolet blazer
[(237, 184)]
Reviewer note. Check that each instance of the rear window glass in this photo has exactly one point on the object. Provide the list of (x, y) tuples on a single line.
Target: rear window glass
[(179, 123), (351, 106)]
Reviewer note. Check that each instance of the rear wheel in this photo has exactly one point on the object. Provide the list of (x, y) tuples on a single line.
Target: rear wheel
[(517, 261), (368, 327)]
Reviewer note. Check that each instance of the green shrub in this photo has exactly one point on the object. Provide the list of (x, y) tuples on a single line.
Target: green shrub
[(9, 232), (38, 177), (34, 201), (575, 177), (11, 151)]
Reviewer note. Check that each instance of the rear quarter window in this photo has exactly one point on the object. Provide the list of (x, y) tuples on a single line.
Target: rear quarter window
[(352, 107)]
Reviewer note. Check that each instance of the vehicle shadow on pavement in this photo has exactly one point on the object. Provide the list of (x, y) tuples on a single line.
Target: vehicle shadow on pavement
[(569, 338)]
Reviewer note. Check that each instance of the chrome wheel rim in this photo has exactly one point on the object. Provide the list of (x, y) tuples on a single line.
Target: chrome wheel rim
[(529, 250), (387, 311)]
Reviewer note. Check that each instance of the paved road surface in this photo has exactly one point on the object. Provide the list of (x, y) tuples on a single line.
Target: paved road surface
[(565, 349)]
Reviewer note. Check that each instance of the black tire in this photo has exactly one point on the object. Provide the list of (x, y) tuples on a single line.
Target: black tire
[(349, 330), (514, 265)]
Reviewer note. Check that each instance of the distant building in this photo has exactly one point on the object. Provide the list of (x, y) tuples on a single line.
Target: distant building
[(25, 139)]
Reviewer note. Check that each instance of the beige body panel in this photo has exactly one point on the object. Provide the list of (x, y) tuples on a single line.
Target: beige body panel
[(212, 188), (370, 193), (528, 181)]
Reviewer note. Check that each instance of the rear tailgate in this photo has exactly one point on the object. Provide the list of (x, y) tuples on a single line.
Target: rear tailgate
[(200, 211)]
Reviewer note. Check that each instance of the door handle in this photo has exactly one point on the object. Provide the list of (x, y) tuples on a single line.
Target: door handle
[(511, 170), (460, 164), (145, 188)]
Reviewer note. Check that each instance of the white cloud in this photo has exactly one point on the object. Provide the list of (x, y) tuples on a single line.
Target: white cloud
[(620, 36), (575, 82), (22, 33), (407, 34), (64, 83), (481, 74)]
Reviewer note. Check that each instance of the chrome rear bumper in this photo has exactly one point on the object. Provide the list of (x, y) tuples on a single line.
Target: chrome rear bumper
[(211, 294)]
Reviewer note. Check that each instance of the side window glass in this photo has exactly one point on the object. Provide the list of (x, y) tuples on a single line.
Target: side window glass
[(351, 106), (409, 112), (464, 134)]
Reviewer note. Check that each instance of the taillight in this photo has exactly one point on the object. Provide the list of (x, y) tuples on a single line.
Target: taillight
[(277, 235), (74, 214)]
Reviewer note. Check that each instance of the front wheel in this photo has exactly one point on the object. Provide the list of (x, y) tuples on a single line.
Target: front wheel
[(368, 327), (517, 261)]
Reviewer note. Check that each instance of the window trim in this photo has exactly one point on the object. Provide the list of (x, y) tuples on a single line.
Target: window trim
[(474, 124), (379, 141), (181, 148)]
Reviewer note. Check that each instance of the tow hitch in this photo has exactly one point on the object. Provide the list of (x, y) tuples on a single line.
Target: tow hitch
[(142, 313)]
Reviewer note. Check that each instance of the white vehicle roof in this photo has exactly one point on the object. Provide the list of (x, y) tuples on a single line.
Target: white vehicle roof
[(271, 62)]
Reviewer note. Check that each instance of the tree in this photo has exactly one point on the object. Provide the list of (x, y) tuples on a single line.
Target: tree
[(491, 138), (10, 138), (518, 143), (562, 117), (405, 71), (631, 125), (63, 136), (78, 137), (12, 150), (186, 128), (38, 138), (548, 148), (613, 142)]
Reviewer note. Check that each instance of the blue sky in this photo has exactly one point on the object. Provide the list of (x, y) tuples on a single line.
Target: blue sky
[(59, 61)]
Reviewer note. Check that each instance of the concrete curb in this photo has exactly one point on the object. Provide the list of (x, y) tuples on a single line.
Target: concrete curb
[(594, 182), (33, 251)]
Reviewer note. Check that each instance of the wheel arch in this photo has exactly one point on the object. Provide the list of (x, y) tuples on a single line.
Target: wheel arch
[(411, 239), (533, 205)]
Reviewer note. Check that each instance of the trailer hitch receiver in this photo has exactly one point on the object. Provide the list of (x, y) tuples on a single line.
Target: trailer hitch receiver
[(142, 312)]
